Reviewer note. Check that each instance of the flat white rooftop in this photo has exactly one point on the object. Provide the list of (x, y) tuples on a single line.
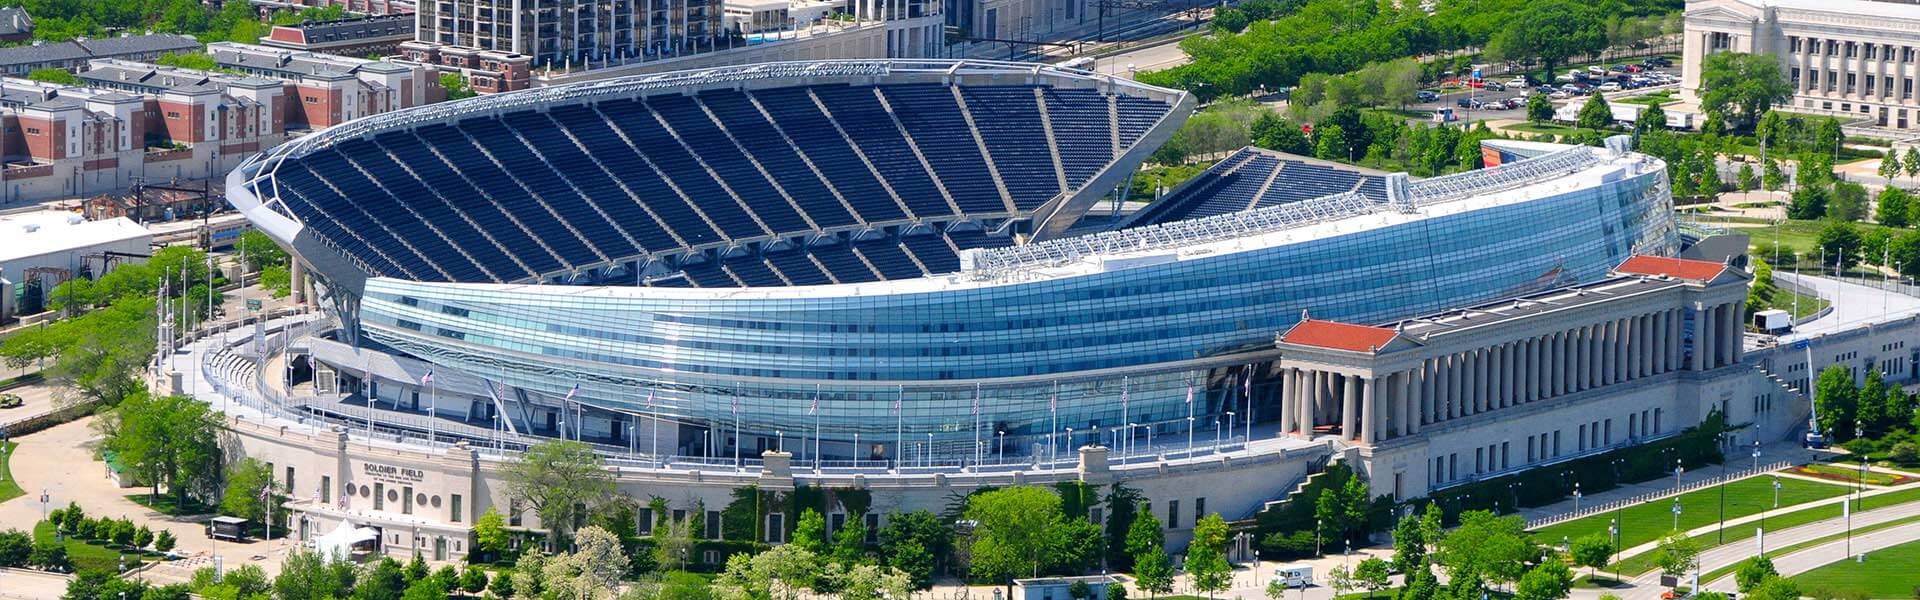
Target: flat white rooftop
[(41, 233)]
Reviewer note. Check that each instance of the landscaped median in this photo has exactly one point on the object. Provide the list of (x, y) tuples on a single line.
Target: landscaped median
[(1651, 520), (1644, 562), (1886, 573), (1851, 474), (1792, 548)]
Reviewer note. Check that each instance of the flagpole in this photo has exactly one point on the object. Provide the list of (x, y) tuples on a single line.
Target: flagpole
[(1247, 390), (816, 427), (1189, 419), (366, 365), (654, 449), (736, 428), (433, 406), (976, 424), (1127, 442), (1053, 430), (899, 426)]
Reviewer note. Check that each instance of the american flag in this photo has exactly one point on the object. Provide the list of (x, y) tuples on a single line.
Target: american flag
[(814, 408), (1053, 402), (736, 405), (427, 378), (650, 398), (1189, 393), (572, 392), (976, 401), (266, 491)]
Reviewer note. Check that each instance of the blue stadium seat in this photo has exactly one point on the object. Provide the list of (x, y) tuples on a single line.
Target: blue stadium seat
[(762, 139), (793, 110), (753, 271), (489, 179), (887, 256), (435, 209), (584, 174), (1083, 129), (636, 120), (933, 119), (393, 212), (548, 185), (932, 252), (736, 170), (867, 122), (798, 267), (633, 172), (437, 176), (840, 260), (1009, 120)]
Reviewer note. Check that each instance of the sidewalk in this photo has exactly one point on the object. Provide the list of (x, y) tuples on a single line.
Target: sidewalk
[(1736, 461)]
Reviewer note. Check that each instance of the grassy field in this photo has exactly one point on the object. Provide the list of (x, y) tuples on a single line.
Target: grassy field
[(165, 504), (9, 489), (1649, 521), (1650, 98), (1799, 235), (1792, 548), (89, 555), (1889, 573), (1644, 562)]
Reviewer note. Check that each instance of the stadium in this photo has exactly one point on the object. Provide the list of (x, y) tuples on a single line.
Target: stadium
[(885, 250), (904, 277)]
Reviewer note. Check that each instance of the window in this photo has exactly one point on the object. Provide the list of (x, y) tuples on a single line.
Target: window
[(290, 480), (513, 512), (1199, 509), (1583, 437), (1869, 90), (1173, 514), (643, 521), (1479, 460), (776, 528), (453, 508), (326, 489), (1850, 80), (1870, 48), (1794, 41), (1795, 77), (1556, 443), (873, 527), (1853, 50), (379, 495), (33, 131), (713, 525)]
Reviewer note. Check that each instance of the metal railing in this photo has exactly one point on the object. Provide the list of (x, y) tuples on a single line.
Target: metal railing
[(1004, 262), (1683, 488)]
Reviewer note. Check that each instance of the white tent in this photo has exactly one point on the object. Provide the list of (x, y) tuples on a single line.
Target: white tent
[(338, 545)]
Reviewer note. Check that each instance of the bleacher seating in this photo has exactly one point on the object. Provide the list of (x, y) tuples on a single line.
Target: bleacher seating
[(1248, 179), (529, 192)]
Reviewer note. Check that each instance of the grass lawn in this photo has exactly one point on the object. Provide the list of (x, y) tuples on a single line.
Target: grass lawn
[(1799, 235), (1649, 521), (9, 489), (1888, 573), (1386, 593), (1792, 548), (90, 555), (164, 504), (1651, 98), (1644, 561)]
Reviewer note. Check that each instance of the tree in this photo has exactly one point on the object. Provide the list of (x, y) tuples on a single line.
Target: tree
[(1539, 108), (591, 570), (1912, 163), (490, 533), (1840, 242), (1771, 177), (54, 75), (1487, 546), (1739, 87), (870, 582), (1274, 132), (310, 576), (1011, 536), (1849, 202), (1153, 571), (249, 493), (1873, 413), (559, 478), (1837, 400), (1775, 588), (163, 541), (1145, 533), (1548, 581), (49, 555), (261, 251), (385, 580), (1592, 552), (1409, 546), (672, 540), (1890, 167), (913, 559), (1753, 572), (142, 536), (170, 441), (1551, 31), (1595, 114), (1371, 574), (1653, 118), (473, 580), (1207, 555), (1893, 207), (1341, 508), (1744, 179), (1677, 555), (1122, 502), (1329, 143), (15, 548), (915, 542), (810, 532), (1340, 579), (427, 588), (1809, 201), (456, 85), (417, 568), (850, 544)]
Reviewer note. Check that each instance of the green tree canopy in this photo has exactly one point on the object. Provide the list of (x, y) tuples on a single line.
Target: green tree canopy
[(1739, 87), (1596, 114), (1207, 556), (169, 441), (558, 478), (1010, 535), (1551, 31)]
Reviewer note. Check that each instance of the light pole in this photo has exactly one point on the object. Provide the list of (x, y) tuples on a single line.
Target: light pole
[(1576, 497), (1721, 536), (1676, 514), (1756, 456), (1678, 470), (1317, 525), (999, 447), (1613, 532), (1229, 424)]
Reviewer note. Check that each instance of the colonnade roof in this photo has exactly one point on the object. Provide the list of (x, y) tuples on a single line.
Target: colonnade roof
[(1677, 268), (1334, 335)]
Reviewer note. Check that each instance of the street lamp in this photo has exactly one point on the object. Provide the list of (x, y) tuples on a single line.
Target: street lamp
[(1613, 532), (1678, 470), (1316, 536), (1576, 497), (1676, 514)]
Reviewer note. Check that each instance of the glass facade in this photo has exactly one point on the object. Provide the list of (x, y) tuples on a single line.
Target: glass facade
[(1026, 358)]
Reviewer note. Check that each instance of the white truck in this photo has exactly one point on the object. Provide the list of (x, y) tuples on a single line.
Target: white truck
[(1293, 576), (1773, 321)]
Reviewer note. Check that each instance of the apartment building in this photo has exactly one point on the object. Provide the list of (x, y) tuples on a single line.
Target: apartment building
[(362, 36), (74, 55), (1849, 58), (331, 89)]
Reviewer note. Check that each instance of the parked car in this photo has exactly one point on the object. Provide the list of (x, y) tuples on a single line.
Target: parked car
[(1517, 82), (1560, 95), (1611, 86), (1426, 96), (1517, 102), (1495, 86), (1597, 70), (1659, 61)]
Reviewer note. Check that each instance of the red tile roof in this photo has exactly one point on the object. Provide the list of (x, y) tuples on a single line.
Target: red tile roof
[(1339, 336), (1677, 268)]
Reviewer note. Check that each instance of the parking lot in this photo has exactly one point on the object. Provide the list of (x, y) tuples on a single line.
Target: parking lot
[(1500, 100)]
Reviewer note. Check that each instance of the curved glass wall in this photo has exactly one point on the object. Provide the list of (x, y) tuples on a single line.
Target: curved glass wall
[(1025, 358)]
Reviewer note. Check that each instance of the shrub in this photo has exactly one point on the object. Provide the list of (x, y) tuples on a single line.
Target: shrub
[(15, 548), (1905, 453), (50, 556), (163, 541)]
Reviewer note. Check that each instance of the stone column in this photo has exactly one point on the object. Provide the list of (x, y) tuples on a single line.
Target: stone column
[(1736, 337), (1426, 395), (1409, 402), (1702, 339), (1370, 408), (1349, 406), (1286, 401), (1622, 362), (1306, 409), (297, 275)]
